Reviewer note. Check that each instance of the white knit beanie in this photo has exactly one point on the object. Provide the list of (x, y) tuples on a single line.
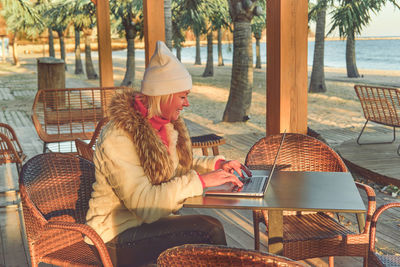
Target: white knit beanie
[(165, 74)]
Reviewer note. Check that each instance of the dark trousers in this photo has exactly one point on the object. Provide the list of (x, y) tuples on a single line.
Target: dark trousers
[(143, 244)]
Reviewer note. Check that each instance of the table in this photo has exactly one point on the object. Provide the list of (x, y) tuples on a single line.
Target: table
[(297, 191)]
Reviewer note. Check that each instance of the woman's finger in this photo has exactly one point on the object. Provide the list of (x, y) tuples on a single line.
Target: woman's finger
[(246, 170)]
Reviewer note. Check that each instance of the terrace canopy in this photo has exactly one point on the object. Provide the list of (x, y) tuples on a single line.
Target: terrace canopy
[(286, 57)]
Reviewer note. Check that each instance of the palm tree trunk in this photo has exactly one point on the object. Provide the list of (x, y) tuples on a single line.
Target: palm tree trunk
[(209, 70), (90, 72), (52, 52), (258, 54), (62, 47), (198, 59), (179, 52), (168, 23), (239, 101), (78, 60), (220, 57), (352, 71), (130, 62), (15, 49), (317, 83)]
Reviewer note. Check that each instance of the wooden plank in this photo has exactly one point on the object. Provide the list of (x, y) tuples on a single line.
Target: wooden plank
[(104, 43), (13, 248), (287, 66), (154, 25)]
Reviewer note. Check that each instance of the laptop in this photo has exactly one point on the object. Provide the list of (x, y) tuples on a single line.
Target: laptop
[(254, 186)]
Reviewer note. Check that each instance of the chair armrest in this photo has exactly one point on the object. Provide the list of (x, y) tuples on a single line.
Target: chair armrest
[(90, 233), (13, 156), (371, 205), (375, 217)]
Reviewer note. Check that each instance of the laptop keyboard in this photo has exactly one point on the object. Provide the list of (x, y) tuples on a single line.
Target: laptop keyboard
[(251, 185)]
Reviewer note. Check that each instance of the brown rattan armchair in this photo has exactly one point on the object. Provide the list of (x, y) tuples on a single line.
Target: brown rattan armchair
[(216, 255), (380, 105), (84, 149), (309, 235), (10, 148), (55, 190), (375, 259), (65, 114)]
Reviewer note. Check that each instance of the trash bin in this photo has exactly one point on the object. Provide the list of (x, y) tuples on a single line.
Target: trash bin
[(51, 75)]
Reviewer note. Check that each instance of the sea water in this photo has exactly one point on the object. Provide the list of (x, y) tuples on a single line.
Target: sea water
[(379, 54)]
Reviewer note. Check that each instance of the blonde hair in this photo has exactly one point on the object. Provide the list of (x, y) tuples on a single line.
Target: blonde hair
[(154, 104)]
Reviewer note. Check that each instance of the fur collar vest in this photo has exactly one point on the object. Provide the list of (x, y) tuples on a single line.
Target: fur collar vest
[(153, 154)]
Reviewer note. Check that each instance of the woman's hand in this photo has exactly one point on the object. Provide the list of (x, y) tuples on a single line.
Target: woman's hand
[(220, 177), (234, 165)]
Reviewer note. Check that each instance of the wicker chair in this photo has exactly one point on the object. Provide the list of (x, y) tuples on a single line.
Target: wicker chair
[(55, 190), (10, 152), (215, 255), (65, 114), (310, 234), (380, 105), (84, 149), (375, 259)]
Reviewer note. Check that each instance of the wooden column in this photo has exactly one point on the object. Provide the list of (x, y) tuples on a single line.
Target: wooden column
[(104, 42), (154, 25), (287, 66)]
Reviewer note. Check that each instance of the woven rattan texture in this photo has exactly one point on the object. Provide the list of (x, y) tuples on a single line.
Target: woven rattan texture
[(216, 256), (380, 104), (55, 191), (61, 115), (310, 234), (86, 150), (10, 148), (374, 259)]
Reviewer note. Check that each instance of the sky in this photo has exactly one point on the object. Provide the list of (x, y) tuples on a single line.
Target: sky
[(385, 23)]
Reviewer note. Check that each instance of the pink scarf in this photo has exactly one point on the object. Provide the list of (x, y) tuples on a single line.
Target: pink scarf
[(156, 122)]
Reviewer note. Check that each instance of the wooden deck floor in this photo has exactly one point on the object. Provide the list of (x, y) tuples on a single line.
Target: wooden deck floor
[(238, 224)]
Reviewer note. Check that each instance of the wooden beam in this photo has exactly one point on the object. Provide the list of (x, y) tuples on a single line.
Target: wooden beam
[(104, 43), (287, 66), (154, 25)]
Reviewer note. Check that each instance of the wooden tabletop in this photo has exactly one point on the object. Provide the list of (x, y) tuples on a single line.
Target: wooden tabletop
[(313, 191)]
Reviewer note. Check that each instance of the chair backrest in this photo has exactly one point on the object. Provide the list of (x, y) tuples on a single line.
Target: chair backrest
[(215, 255), (375, 259), (380, 104), (10, 148), (54, 187), (86, 150), (67, 114), (299, 152)]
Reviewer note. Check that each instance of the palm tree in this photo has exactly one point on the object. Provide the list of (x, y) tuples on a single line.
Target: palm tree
[(257, 26), (239, 101), (194, 17), (21, 18), (84, 19), (59, 18), (317, 81), (130, 14), (177, 28), (349, 18), (168, 23), (221, 20), (216, 11)]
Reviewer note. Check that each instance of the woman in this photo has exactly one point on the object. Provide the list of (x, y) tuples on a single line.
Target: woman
[(145, 170)]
